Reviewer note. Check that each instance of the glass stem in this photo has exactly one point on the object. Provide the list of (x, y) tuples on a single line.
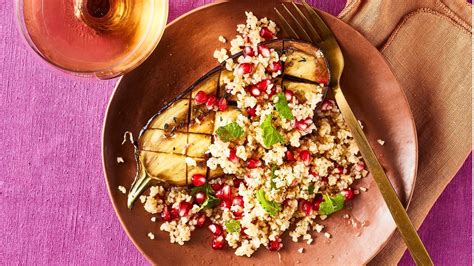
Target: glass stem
[(101, 15)]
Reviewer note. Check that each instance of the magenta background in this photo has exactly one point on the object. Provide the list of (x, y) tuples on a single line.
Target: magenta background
[(54, 204)]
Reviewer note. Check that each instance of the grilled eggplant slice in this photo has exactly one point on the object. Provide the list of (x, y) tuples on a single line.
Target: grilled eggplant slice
[(226, 74), (198, 145), (228, 116), (159, 164), (158, 140), (306, 61), (174, 118), (172, 146), (301, 89)]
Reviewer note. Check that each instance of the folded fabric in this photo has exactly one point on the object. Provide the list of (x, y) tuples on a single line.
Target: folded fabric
[(427, 44)]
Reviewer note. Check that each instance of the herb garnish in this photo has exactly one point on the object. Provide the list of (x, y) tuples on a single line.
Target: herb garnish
[(331, 204), (232, 226), (270, 207), (311, 189), (282, 107), (270, 134), (211, 200), (230, 132)]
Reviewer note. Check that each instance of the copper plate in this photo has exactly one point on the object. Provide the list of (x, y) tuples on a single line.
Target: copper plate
[(185, 54)]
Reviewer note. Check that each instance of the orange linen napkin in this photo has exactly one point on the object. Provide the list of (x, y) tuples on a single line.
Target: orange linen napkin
[(427, 44)]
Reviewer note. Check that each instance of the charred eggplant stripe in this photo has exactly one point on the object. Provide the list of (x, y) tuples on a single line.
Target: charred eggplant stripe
[(190, 110)]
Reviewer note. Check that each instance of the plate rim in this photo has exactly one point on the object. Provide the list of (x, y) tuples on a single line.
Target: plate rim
[(119, 81)]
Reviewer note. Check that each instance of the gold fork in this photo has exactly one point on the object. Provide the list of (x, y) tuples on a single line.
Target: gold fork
[(318, 32)]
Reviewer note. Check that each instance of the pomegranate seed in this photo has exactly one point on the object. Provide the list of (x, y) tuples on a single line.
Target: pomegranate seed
[(237, 214), (305, 156), (306, 207), (225, 204), (201, 97), (222, 105), (200, 220), (288, 95), (218, 242), (263, 50), (238, 201), (174, 213), (233, 155), (266, 33), (264, 84), (313, 172), (273, 91), (327, 105), (242, 232), (200, 197), (324, 179), (339, 170), (248, 51), (348, 194), (215, 229), (198, 180), (216, 186), (301, 125), (255, 91), (317, 203), (274, 67), (252, 111), (253, 163), (211, 102), (244, 68), (184, 208), (237, 182), (219, 194), (289, 157), (165, 214), (227, 192), (359, 167), (275, 245)]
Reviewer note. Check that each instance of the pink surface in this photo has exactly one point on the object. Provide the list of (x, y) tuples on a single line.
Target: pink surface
[(55, 208)]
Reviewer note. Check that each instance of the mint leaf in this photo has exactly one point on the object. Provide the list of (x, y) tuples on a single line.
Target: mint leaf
[(211, 200), (230, 132), (195, 190), (272, 183), (282, 107), (270, 135), (270, 207), (311, 189), (232, 226), (331, 204)]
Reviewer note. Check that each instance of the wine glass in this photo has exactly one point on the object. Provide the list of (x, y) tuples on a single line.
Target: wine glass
[(101, 38)]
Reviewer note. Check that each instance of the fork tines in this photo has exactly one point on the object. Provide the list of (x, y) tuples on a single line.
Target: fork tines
[(304, 28)]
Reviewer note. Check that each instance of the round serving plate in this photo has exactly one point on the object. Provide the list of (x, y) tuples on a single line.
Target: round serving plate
[(183, 55)]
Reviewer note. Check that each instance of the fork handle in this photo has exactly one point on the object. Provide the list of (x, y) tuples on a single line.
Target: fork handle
[(400, 216)]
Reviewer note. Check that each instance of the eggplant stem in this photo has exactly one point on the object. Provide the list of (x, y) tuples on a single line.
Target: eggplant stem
[(138, 187)]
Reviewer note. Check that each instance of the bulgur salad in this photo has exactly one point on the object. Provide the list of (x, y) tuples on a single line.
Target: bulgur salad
[(252, 150)]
